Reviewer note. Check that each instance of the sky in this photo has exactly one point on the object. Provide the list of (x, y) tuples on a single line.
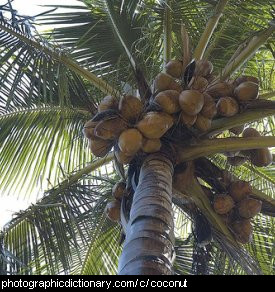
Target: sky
[(14, 203)]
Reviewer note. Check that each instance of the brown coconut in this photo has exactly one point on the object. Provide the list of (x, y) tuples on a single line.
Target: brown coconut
[(249, 207), (242, 230), (112, 210), (164, 81), (130, 141), (100, 147), (202, 123), (242, 79), (220, 89), (237, 130), (122, 157), (108, 102), (118, 190), (239, 190), (246, 91), (203, 68), (130, 108), (191, 102), (199, 83), (236, 160), (223, 204), (155, 124), (168, 101), (151, 145), (227, 107), (209, 109), (251, 132), (88, 129), (110, 129), (261, 157), (187, 120), (174, 68)]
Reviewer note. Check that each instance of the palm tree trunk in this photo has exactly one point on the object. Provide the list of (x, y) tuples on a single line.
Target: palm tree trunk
[(149, 244)]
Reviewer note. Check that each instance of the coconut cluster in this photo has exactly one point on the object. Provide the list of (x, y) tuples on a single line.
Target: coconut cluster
[(112, 209), (258, 157), (236, 208)]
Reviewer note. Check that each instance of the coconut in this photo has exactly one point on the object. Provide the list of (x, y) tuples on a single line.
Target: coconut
[(88, 129), (108, 102), (237, 160), (261, 157), (202, 123), (174, 68), (118, 190), (164, 81), (110, 129), (251, 132), (227, 178), (227, 107), (155, 124), (249, 207), (130, 141), (187, 120), (130, 108), (247, 91), (151, 145), (242, 230), (122, 157), (100, 147), (242, 79), (168, 101), (112, 210), (227, 218), (221, 89), (209, 109), (191, 102), (239, 190), (223, 204), (203, 68), (199, 83), (237, 130)]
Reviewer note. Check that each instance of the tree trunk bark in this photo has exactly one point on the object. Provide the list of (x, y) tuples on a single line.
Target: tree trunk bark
[(149, 243)]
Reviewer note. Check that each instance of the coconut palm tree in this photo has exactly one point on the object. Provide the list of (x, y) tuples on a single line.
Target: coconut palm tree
[(51, 85)]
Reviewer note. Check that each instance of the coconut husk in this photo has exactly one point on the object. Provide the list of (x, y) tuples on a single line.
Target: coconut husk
[(164, 81), (209, 109), (88, 129), (198, 83), (130, 108), (122, 157), (151, 145), (242, 230), (237, 160), (239, 190), (187, 120), (242, 79), (261, 157), (130, 142), (249, 207), (237, 130), (223, 204), (155, 124), (168, 100), (246, 91), (118, 190), (221, 89), (191, 102), (100, 147), (202, 123), (174, 68), (227, 107), (110, 129), (203, 68), (112, 210), (108, 102), (251, 132)]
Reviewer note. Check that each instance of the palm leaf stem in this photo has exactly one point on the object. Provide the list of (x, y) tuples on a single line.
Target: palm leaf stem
[(167, 42), (210, 27)]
